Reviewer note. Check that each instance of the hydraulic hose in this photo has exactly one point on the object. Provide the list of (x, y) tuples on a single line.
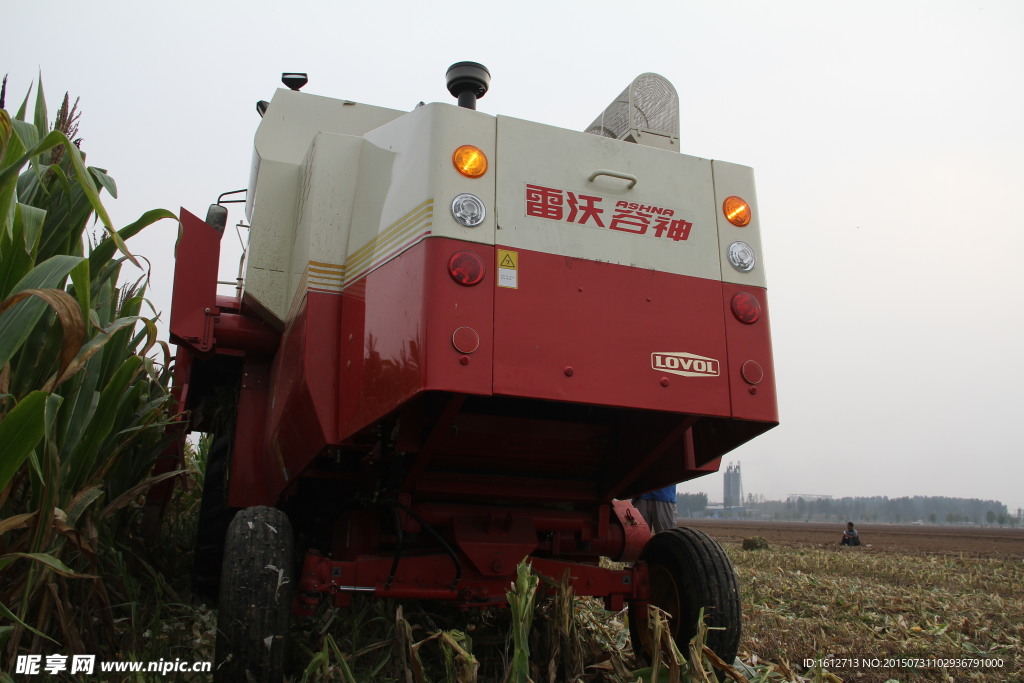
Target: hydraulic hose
[(433, 532)]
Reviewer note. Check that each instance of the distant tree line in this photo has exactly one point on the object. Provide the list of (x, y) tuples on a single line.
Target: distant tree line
[(927, 509), (691, 504), (930, 509)]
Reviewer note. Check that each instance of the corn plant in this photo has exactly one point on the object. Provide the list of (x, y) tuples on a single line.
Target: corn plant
[(83, 402), (522, 598)]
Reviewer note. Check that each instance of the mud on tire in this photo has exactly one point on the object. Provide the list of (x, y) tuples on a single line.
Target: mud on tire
[(255, 597)]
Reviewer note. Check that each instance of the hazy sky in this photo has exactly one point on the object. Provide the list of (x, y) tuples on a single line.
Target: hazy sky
[(886, 139)]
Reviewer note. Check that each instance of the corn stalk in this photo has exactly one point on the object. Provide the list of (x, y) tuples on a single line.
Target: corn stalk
[(83, 402), (522, 597)]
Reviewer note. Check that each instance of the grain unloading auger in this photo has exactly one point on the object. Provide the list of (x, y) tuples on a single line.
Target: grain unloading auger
[(461, 340)]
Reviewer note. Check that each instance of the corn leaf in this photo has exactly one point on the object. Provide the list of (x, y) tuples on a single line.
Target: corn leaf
[(94, 199), (137, 491), (17, 522), (14, 618), (47, 560), (26, 132), (82, 287), (20, 432), (13, 148), (31, 219), (10, 169), (41, 121), (100, 426), (16, 256), (104, 251), (95, 345), (106, 181), (81, 502), (24, 104), (68, 314), (17, 323)]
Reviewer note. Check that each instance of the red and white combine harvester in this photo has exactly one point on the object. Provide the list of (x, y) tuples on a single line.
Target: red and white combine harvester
[(461, 340)]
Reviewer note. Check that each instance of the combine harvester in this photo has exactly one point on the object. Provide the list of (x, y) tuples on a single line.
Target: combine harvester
[(460, 340)]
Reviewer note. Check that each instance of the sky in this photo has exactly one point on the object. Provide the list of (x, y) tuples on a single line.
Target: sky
[(887, 141)]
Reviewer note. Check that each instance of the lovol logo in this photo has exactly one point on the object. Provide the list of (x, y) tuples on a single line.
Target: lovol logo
[(685, 364)]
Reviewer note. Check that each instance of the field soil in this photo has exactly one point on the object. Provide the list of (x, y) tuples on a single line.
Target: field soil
[(895, 538)]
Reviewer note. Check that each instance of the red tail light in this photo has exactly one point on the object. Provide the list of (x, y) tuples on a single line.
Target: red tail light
[(466, 268), (746, 308)]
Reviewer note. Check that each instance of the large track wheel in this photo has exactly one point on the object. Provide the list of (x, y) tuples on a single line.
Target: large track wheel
[(255, 597), (214, 518), (689, 570)]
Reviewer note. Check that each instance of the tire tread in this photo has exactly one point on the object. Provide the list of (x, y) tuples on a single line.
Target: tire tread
[(255, 597), (705, 574)]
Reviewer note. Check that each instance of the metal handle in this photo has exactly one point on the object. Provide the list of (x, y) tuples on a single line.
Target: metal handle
[(615, 174)]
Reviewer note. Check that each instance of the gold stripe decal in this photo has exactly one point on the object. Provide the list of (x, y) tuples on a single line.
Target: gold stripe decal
[(407, 231), (325, 277), (396, 233)]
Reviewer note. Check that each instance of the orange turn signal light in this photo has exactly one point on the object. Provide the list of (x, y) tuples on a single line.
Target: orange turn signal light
[(470, 161), (736, 210)]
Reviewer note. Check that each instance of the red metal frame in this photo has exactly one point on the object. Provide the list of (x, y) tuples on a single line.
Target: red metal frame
[(486, 546), (435, 581)]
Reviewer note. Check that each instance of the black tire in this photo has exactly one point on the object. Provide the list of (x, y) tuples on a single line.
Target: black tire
[(255, 597), (689, 570), (214, 518)]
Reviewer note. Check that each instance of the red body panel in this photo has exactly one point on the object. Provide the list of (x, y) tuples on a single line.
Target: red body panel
[(397, 330), (574, 331), (750, 343), (584, 331), (195, 283), (253, 481), (302, 415)]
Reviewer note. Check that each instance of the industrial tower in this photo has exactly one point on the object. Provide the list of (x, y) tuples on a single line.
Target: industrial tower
[(733, 494)]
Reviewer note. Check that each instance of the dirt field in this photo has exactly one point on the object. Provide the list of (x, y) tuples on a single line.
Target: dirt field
[(973, 541)]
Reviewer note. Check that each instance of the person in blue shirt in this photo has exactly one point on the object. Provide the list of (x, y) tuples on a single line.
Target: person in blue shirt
[(658, 508)]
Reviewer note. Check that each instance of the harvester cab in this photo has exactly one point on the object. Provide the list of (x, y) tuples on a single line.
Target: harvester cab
[(465, 339)]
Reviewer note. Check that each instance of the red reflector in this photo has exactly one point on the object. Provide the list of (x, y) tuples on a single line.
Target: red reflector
[(465, 340), (752, 372), (746, 308), (466, 268)]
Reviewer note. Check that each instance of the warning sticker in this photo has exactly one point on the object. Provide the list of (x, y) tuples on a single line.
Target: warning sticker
[(508, 269)]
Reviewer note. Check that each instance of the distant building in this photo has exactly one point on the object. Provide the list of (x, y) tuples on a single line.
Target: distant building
[(794, 497), (733, 492)]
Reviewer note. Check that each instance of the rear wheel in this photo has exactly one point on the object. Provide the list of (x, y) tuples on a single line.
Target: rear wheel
[(688, 571), (255, 597)]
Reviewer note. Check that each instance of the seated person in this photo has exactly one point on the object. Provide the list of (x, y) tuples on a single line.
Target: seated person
[(850, 536)]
